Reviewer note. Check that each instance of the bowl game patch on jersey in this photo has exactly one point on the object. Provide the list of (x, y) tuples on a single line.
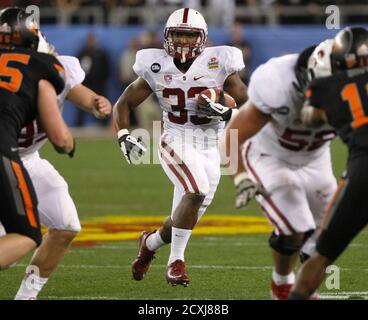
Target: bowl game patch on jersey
[(213, 63)]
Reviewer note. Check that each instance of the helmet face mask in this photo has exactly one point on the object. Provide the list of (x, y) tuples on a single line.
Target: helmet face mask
[(350, 49), (185, 34), (16, 30)]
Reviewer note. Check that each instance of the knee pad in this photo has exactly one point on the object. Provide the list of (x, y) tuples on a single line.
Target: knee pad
[(287, 245)]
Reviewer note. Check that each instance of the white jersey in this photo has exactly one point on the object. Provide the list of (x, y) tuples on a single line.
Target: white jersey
[(177, 92), (33, 137), (272, 90)]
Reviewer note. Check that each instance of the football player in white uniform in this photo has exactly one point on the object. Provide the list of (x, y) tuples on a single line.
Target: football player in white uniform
[(56, 207), (188, 148), (290, 161)]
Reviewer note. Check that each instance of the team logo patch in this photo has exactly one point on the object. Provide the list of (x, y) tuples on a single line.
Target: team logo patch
[(213, 63), (155, 67), (168, 78)]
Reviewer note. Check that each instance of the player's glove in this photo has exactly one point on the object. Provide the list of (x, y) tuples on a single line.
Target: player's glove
[(215, 110), (246, 189), (130, 146)]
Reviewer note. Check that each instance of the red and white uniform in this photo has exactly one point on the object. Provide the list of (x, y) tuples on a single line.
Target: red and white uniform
[(292, 161), (55, 205), (188, 149)]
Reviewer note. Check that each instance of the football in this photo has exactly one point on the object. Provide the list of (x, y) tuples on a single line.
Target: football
[(215, 96)]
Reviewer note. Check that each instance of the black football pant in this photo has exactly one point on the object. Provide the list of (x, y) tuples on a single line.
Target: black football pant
[(347, 214), (18, 202)]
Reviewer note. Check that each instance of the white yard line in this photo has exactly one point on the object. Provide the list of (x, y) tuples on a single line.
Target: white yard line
[(123, 266), (342, 295), (83, 298), (322, 296), (129, 246), (364, 293), (194, 266)]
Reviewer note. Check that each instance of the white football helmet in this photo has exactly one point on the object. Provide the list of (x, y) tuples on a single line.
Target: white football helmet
[(185, 20), (319, 63)]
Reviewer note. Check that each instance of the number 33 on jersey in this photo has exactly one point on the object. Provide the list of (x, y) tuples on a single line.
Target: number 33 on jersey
[(177, 91)]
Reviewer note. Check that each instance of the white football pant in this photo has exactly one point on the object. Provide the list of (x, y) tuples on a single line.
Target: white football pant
[(298, 194), (193, 167)]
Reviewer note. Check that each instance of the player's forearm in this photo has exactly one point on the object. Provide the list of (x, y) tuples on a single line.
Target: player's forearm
[(121, 113), (51, 119), (83, 97), (89, 101), (64, 143), (133, 96), (244, 125), (236, 88)]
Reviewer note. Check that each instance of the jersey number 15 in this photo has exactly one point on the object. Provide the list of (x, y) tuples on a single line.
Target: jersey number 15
[(350, 93)]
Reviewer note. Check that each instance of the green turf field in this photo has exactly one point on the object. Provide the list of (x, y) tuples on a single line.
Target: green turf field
[(220, 267)]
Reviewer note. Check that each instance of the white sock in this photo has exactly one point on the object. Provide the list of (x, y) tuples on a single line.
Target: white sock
[(279, 279), (179, 240), (30, 287), (154, 241)]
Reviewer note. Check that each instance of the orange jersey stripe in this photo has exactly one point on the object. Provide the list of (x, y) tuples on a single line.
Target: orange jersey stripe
[(25, 194), (59, 68)]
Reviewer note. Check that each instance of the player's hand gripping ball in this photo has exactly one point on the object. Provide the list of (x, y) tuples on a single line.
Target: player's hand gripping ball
[(216, 104)]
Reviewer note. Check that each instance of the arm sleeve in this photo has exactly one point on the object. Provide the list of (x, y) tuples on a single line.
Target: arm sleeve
[(265, 90), (234, 60), (74, 72), (138, 66), (141, 69)]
